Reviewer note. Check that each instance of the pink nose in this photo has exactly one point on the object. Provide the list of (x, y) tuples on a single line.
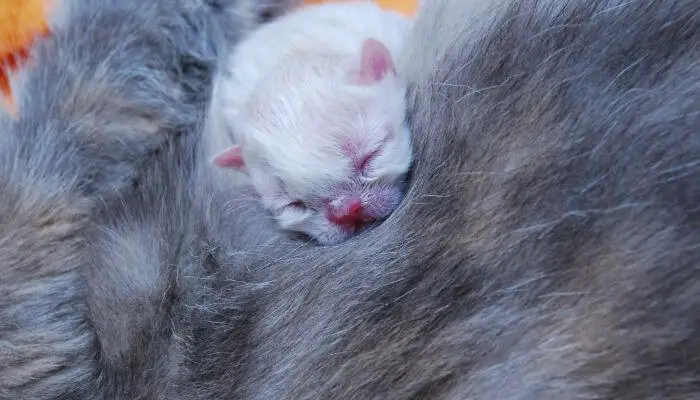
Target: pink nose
[(351, 216)]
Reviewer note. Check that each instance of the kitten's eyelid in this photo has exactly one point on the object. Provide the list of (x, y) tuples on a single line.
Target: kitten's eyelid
[(365, 162), (297, 204)]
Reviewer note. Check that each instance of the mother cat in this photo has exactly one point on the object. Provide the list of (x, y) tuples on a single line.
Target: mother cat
[(549, 246)]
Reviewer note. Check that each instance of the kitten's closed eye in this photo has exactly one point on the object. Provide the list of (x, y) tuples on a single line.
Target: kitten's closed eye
[(364, 162), (298, 205)]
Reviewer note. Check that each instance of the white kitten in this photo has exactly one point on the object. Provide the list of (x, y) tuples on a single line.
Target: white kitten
[(310, 109)]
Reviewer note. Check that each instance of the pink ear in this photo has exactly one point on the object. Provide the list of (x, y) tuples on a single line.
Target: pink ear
[(376, 61), (230, 158)]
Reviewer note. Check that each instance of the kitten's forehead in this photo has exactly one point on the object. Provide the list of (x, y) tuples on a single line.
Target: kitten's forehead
[(308, 172), (316, 117), (313, 126)]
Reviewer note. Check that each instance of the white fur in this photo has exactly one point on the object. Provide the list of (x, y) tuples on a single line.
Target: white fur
[(288, 96)]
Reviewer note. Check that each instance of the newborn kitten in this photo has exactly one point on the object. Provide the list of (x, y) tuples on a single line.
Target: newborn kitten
[(309, 111)]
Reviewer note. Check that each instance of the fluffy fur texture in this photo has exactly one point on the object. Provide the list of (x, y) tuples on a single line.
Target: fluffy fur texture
[(309, 107), (547, 247), (114, 88)]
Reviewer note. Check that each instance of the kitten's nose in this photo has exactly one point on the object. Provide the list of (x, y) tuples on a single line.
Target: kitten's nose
[(350, 215)]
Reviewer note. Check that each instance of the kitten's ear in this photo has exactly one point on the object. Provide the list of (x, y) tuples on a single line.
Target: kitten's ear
[(375, 61), (230, 158)]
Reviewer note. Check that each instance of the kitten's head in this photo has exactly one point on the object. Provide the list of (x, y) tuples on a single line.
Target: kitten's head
[(326, 145)]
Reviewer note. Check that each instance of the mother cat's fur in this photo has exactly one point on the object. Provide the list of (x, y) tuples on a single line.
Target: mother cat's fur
[(549, 246)]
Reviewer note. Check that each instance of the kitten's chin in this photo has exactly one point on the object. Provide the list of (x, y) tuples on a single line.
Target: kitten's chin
[(318, 229), (323, 233)]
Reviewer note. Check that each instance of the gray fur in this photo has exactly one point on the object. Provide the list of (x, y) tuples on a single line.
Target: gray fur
[(114, 89), (548, 246)]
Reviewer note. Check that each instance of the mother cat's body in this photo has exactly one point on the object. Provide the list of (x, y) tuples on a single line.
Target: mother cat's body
[(548, 248)]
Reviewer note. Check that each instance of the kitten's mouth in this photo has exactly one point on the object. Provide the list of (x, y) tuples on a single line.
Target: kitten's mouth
[(302, 237), (358, 228)]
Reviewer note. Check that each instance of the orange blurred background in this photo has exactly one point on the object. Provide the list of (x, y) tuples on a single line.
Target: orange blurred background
[(407, 7)]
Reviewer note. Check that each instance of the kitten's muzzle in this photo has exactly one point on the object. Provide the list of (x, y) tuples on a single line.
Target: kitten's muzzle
[(350, 216)]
